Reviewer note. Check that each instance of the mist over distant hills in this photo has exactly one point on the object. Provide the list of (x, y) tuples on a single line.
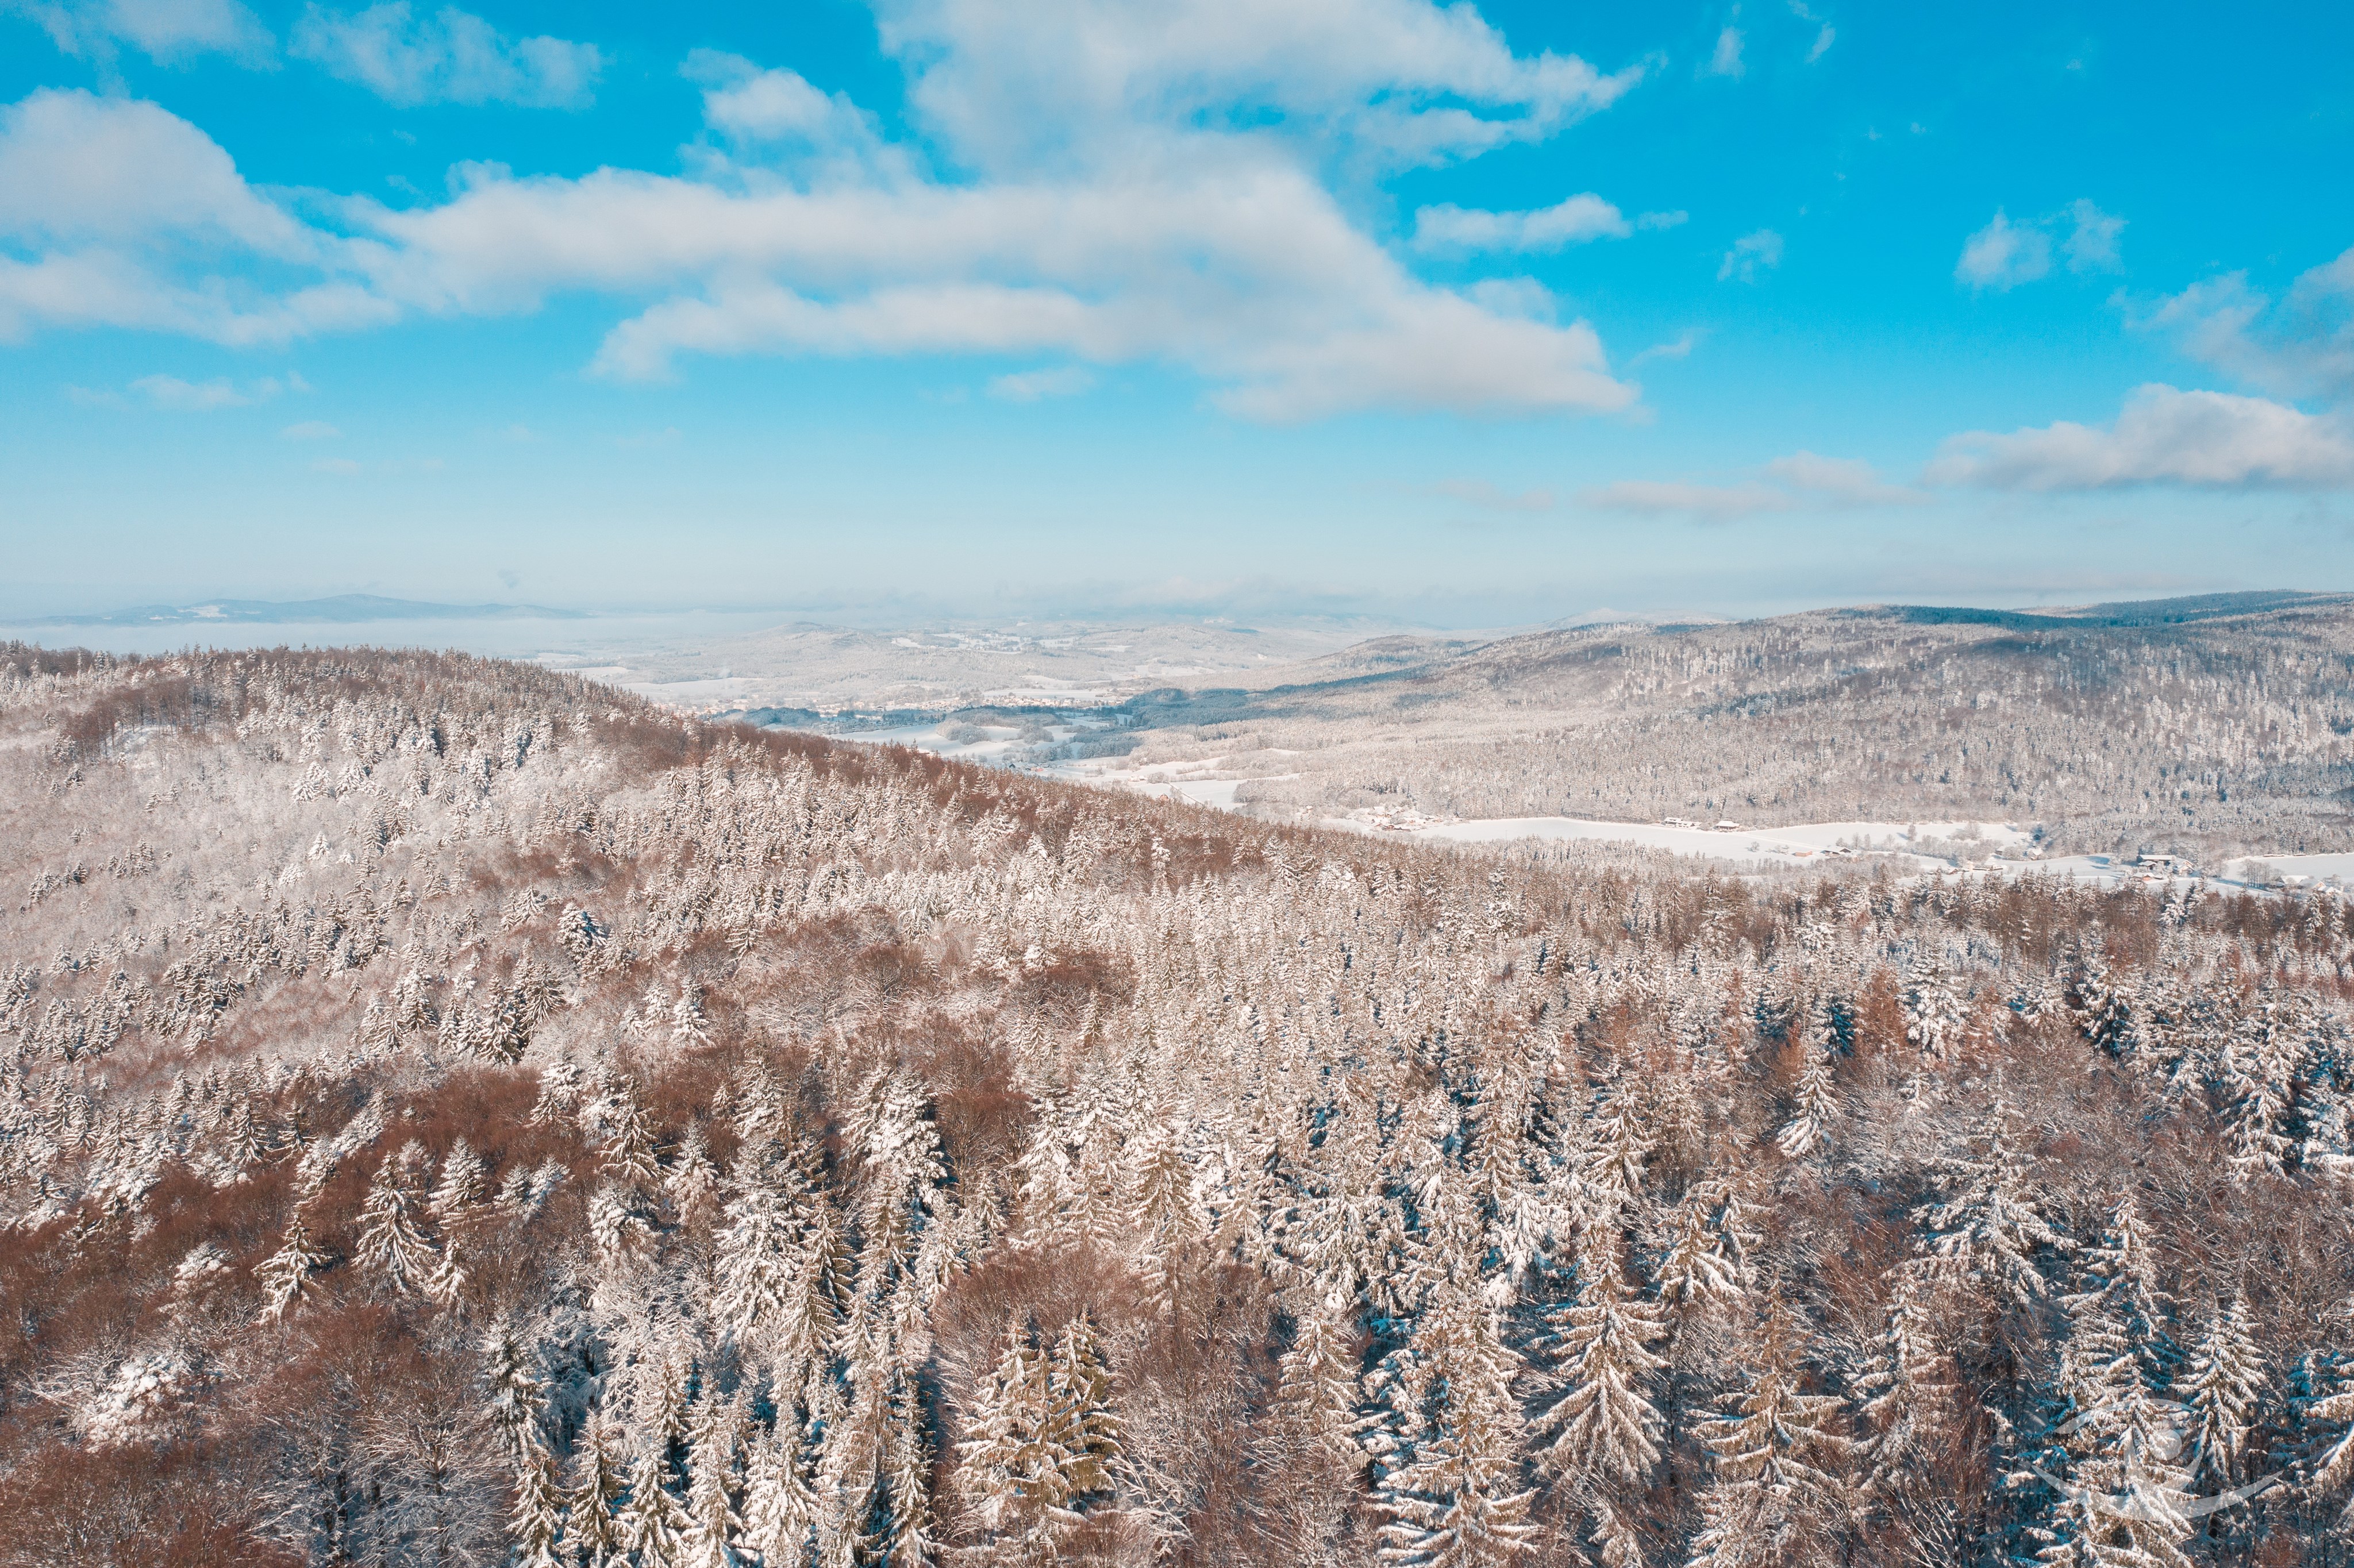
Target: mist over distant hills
[(348, 607)]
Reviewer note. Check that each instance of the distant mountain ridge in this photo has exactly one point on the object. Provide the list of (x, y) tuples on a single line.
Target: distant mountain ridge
[(2211, 724), (339, 608), (2123, 613)]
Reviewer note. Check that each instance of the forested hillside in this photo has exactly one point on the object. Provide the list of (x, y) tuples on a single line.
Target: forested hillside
[(2221, 728), (451, 1113)]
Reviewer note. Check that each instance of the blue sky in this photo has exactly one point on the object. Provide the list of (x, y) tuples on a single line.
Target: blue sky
[(1472, 316)]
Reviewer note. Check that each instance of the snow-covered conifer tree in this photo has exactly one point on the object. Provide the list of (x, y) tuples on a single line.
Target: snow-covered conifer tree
[(1450, 1489), (625, 1153), (459, 1189), (759, 1251), (1935, 1018), (595, 1502), (1081, 1416), (654, 1525), (907, 1479), (1817, 1107), (2223, 1387), (2121, 1450), (1776, 1500), (1015, 1468), (285, 1275), (1991, 1223), (713, 1528), (2121, 1267), (1604, 1424), (538, 1520), (512, 1370), (390, 1241), (1317, 1386), (780, 1509)]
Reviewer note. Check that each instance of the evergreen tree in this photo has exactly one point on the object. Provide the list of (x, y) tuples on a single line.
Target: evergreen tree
[(759, 1252), (2120, 1480), (285, 1275), (626, 1151), (1816, 1109), (512, 1370), (1934, 1019), (692, 1177), (2224, 1390), (1773, 1499), (1450, 1487), (1605, 1425), (907, 1479), (539, 1518), (1016, 1465), (2328, 1412), (1316, 1384), (712, 1527), (1991, 1223), (2121, 1267), (1908, 1387), (780, 1507), (654, 1525), (1081, 1418), (390, 1241), (460, 1188), (596, 1502), (2102, 1009)]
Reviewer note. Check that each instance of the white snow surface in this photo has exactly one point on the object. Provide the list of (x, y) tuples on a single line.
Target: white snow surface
[(1921, 847)]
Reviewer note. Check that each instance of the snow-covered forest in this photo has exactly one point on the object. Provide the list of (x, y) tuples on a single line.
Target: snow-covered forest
[(2222, 732), (452, 1113)]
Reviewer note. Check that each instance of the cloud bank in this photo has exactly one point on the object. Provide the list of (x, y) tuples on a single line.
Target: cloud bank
[(2162, 436), (1137, 184)]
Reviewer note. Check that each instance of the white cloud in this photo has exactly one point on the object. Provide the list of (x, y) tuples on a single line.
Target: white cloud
[(170, 31), (136, 218), (1573, 222), (1750, 254), (1678, 348), (1705, 502), (2301, 346), (1803, 480), (1726, 59), (1030, 385), (1135, 183), (1243, 269), (2162, 436), (77, 167), (312, 431), (1846, 482), (778, 113), (452, 57), (2091, 242), (1487, 497), (202, 397), (1822, 45), (2002, 256), (1025, 84)]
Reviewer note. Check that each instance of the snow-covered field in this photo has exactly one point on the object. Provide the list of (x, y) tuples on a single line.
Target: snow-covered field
[(2002, 849), (2288, 868), (1768, 847)]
